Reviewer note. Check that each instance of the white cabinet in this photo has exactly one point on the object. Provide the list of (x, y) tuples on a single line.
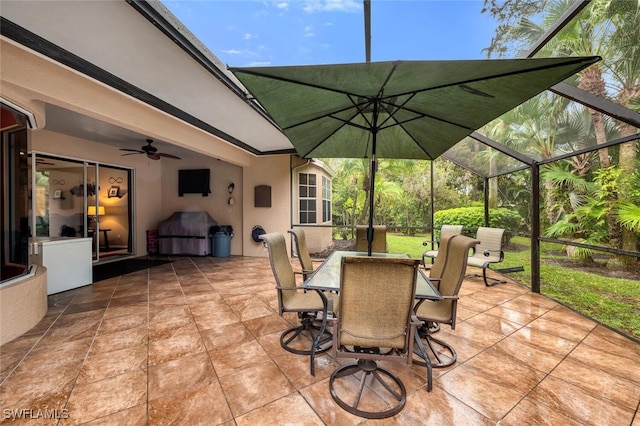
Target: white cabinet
[(67, 259)]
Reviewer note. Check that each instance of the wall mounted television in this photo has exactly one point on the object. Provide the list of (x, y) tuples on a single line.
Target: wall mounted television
[(194, 181)]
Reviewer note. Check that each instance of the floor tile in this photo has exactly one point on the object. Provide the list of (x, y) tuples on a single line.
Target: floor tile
[(225, 335), (98, 399), (234, 358), (292, 409), (102, 365), (439, 408), (253, 387), (197, 341), (579, 405), (621, 390), (203, 404), (174, 344), (179, 375), (485, 394)]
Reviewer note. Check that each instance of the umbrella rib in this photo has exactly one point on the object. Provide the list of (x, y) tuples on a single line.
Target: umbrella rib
[(492, 77), (288, 80)]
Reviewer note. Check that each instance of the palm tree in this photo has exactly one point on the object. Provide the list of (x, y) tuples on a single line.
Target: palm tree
[(610, 29)]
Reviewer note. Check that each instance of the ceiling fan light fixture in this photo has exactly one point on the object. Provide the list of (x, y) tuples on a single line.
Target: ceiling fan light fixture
[(150, 150)]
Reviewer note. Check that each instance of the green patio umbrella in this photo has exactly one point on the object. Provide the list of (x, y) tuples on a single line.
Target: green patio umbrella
[(399, 109)]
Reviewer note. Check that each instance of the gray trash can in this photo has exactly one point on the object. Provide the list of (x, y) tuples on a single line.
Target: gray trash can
[(221, 240)]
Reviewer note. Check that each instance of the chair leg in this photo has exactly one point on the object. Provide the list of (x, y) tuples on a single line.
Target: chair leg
[(306, 325), (494, 280), (393, 385), (418, 349), (444, 355)]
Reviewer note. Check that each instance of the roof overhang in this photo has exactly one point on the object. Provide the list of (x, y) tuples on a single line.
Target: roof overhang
[(150, 57)]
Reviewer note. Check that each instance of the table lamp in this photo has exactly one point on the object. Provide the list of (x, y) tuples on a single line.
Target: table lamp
[(91, 213)]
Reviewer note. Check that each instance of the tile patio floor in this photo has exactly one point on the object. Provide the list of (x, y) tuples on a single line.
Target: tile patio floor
[(196, 342)]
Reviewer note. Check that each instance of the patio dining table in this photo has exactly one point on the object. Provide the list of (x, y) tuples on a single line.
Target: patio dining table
[(327, 278)]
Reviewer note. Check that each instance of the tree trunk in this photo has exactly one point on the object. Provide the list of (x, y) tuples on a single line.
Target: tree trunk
[(591, 80), (550, 201), (629, 238)]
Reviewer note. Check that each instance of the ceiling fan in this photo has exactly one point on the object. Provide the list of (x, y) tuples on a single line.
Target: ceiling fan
[(40, 161), (150, 150)]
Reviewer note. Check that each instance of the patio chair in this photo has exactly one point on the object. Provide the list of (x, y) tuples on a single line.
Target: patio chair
[(374, 322), (300, 241), (291, 298), (435, 245), (452, 264), (379, 244), (488, 251)]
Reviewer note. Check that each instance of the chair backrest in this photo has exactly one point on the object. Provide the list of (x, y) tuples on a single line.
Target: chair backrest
[(376, 301), (379, 244), (441, 259), (456, 265), (450, 230), (281, 267), (490, 243), (451, 278), (300, 241)]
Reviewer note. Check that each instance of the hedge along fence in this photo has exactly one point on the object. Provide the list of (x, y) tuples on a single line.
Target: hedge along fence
[(471, 218)]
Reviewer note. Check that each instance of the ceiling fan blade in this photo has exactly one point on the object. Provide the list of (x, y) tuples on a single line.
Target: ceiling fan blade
[(153, 156), (137, 151), (162, 154), (132, 153)]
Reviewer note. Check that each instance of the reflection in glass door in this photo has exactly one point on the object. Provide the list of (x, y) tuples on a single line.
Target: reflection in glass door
[(114, 212), (80, 199)]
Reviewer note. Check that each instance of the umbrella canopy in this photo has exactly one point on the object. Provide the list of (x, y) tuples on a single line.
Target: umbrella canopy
[(400, 109)]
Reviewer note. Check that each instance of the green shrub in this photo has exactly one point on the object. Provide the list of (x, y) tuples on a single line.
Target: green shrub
[(471, 218)]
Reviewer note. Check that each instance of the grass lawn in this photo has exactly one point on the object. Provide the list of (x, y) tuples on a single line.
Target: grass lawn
[(614, 302)]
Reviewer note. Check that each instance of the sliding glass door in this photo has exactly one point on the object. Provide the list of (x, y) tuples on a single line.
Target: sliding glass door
[(76, 198)]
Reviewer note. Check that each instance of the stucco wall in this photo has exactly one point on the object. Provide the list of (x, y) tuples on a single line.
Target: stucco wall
[(273, 171), (216, 203), (23, 303)]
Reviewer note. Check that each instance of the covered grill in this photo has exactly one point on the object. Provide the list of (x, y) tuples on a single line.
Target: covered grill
[(186, 233)]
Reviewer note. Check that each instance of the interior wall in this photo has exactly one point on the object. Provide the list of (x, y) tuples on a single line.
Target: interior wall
[(66, 209), (116, 208), (216, 203)]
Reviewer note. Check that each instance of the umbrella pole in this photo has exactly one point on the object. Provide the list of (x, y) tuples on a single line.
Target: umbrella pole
[(372, 179), (374, 140)]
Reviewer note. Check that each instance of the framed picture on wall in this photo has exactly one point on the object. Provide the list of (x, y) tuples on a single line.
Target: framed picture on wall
[(57, 193), (114, 191)]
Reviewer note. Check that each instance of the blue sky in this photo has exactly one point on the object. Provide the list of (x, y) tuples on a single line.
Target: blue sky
[(303, 32)]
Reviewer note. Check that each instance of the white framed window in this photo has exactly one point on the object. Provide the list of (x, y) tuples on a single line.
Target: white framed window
[(326, 199), (307, 195)]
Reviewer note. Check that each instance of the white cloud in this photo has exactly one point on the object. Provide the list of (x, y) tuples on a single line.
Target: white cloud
[(249, 36), (258, 64), (313, 6), (232, 52), (282, 5)]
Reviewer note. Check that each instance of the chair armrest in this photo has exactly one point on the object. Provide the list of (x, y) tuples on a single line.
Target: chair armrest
[(434, 244), (292, 288), (455, 297), (487, 253), (415, 320)]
